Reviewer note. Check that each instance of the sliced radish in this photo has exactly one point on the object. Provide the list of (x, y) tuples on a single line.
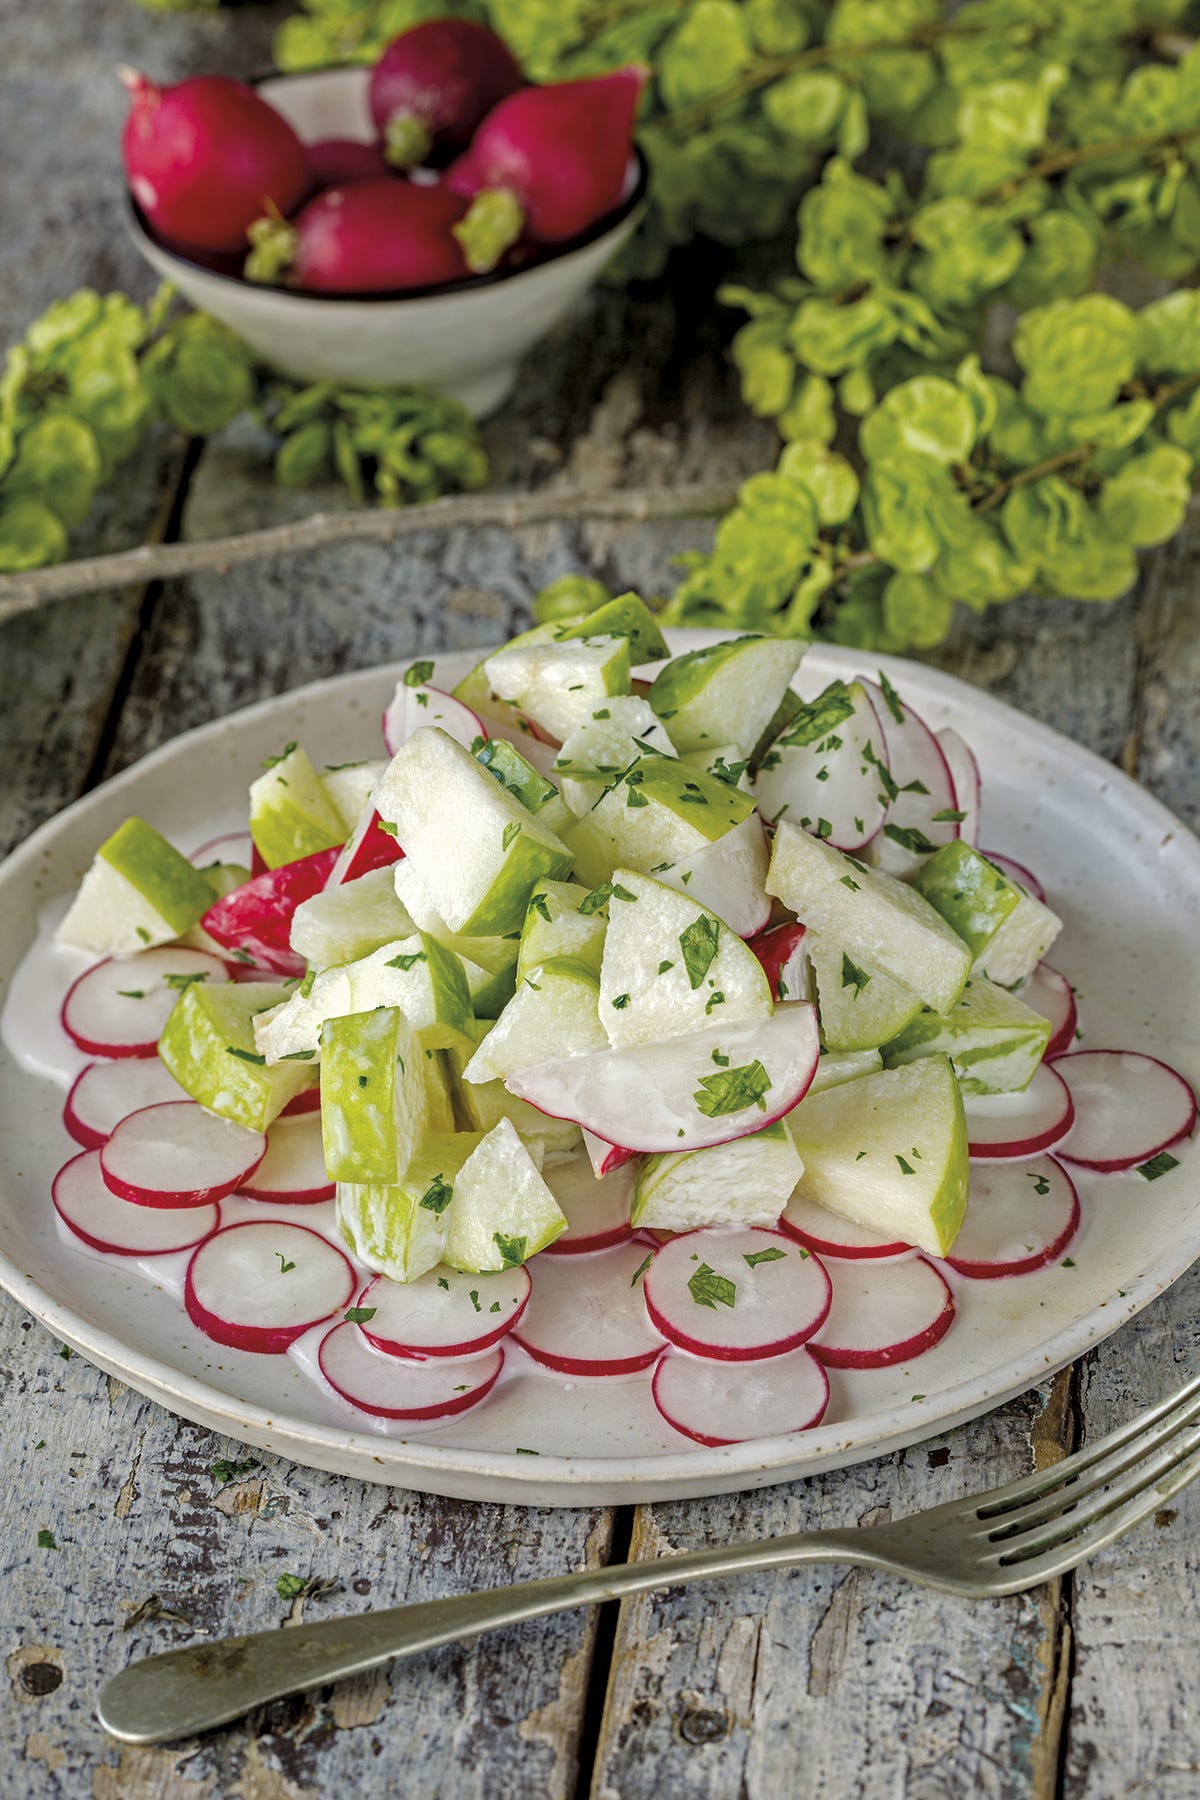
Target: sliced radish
[(442, 1313), (1020, 1217), (292, 1173), (826, 777), (820, 1230), (603, 1157), (784, 957), (585, 1315), (256, 918), (1052, 995), (177, 1154), (368, 847), (964, 773), (389, 1388), (1017, 872), (1000, 1126), (412, 707), (259, 1285), (683, 1093), (106, 1092), (736, 1294), (306, 1101), (120, 1006), (1128, 1107), (734, 1402), (88, 1207), (597, 1207), (883, 1313), (922, 813), (233, 847)]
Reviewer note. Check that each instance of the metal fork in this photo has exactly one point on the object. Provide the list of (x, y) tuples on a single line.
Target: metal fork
[(1001, 1542)]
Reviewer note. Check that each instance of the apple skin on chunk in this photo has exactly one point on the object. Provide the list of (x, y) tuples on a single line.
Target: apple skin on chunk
[(726, 693), (291, 815), (1008, 930), (416, 973), (559, 685), (656, 814), (139, 892), (208, 1046), (375, 1109), (994, 1041), (748, 1181)]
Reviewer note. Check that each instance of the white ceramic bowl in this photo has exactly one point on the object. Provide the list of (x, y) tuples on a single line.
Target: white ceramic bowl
[(464, 339)]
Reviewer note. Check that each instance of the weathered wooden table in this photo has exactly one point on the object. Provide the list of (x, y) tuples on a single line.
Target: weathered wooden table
[(817, 1683)]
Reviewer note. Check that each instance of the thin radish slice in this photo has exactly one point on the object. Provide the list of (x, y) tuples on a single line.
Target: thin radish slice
[(597, 1207), (256, 918), (1017, 872), (1003, 1126), (392, 1389), (683, 1093), (442, 1313), (605, 1158), (964, 773), (1052, 995), (732, 1403), (89, 1209), (369, 847), (1128, 1107), (233, 847), (883, 1313), (820, 1230), (823, 770), (413, 706), (177, 1154), (106, 1092), (1020, 1217), (306, 1101), (736, 1295), (585, 1315), (783, 953), (292, 1173), (259, 1285), (119, 1006), (922, 814)]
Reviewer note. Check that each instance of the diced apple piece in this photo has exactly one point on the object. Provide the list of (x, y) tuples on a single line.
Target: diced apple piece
[(208, 1046), (222, 878), (877, 920), (502, 1212), (889, 1153), (1008, 931), (729, 878), (345, 923), (837, 1066), (349, 786), (495, 954), (375, 1110), (400, 1228), (657, 814), (624, 616), (554, 1013), (559, 685), (724, 763), (604, 745), (139, 891), (994, 1041), (861, 1007), (726, 693), (482, 1104), (745, 1182), (514, 771), (564, 919), (290, 813), (415, 973)]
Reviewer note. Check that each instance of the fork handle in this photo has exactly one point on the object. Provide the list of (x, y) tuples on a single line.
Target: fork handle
[(161, 1698)]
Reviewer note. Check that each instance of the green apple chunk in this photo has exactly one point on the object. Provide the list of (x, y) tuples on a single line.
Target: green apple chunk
[(482, 1104), (860, 1007), (745, 1182), (624, 616), (554, 1013), (475, 690), (728, 877), (878, 921), (400, 1228), (138, 892), (222, 878), (290, 813), (514, 772), (416, 973), (564, 919), (658, 813), (837, 1066), (889, 1153), (375, 1110), (671, 966), (502, 1212), (726, 693), (492, 953), (348, 788), (994, 1041), (724, 762), (559, 685), (607, 742), (208, 1046), (479, 852), (345, 923), (1008, 930)]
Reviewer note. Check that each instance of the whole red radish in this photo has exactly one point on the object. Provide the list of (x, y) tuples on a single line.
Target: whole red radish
[(336, 161), (433, 86), (207, 156), (547, 163), (370, 236)]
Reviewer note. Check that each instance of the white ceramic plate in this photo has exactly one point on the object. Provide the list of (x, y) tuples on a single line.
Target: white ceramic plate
[(1124, 874)]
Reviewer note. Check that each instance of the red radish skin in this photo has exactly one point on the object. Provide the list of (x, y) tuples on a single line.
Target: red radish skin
[(546, 163), (1128, 1108), (308, 1100), (292, 1173), (823, 1231), (239, 1293), (256, 918), (411, 708), (1052, 995), (605, 1158), (370, 237), (586, 1317), (436, 1316), (103, 1221), (1005, 1126), (389, 1388), (924, 800), (1015, 871), (336, 162), (717, 1403), (883, 1314), (175, 1154), (233, 846), (369, 847), (434, 85), (779, 1300), (1020, 1218), (964, 773), (119, 1007), (596, 1207), (106, 1092), (208, 156), (784, 960)]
